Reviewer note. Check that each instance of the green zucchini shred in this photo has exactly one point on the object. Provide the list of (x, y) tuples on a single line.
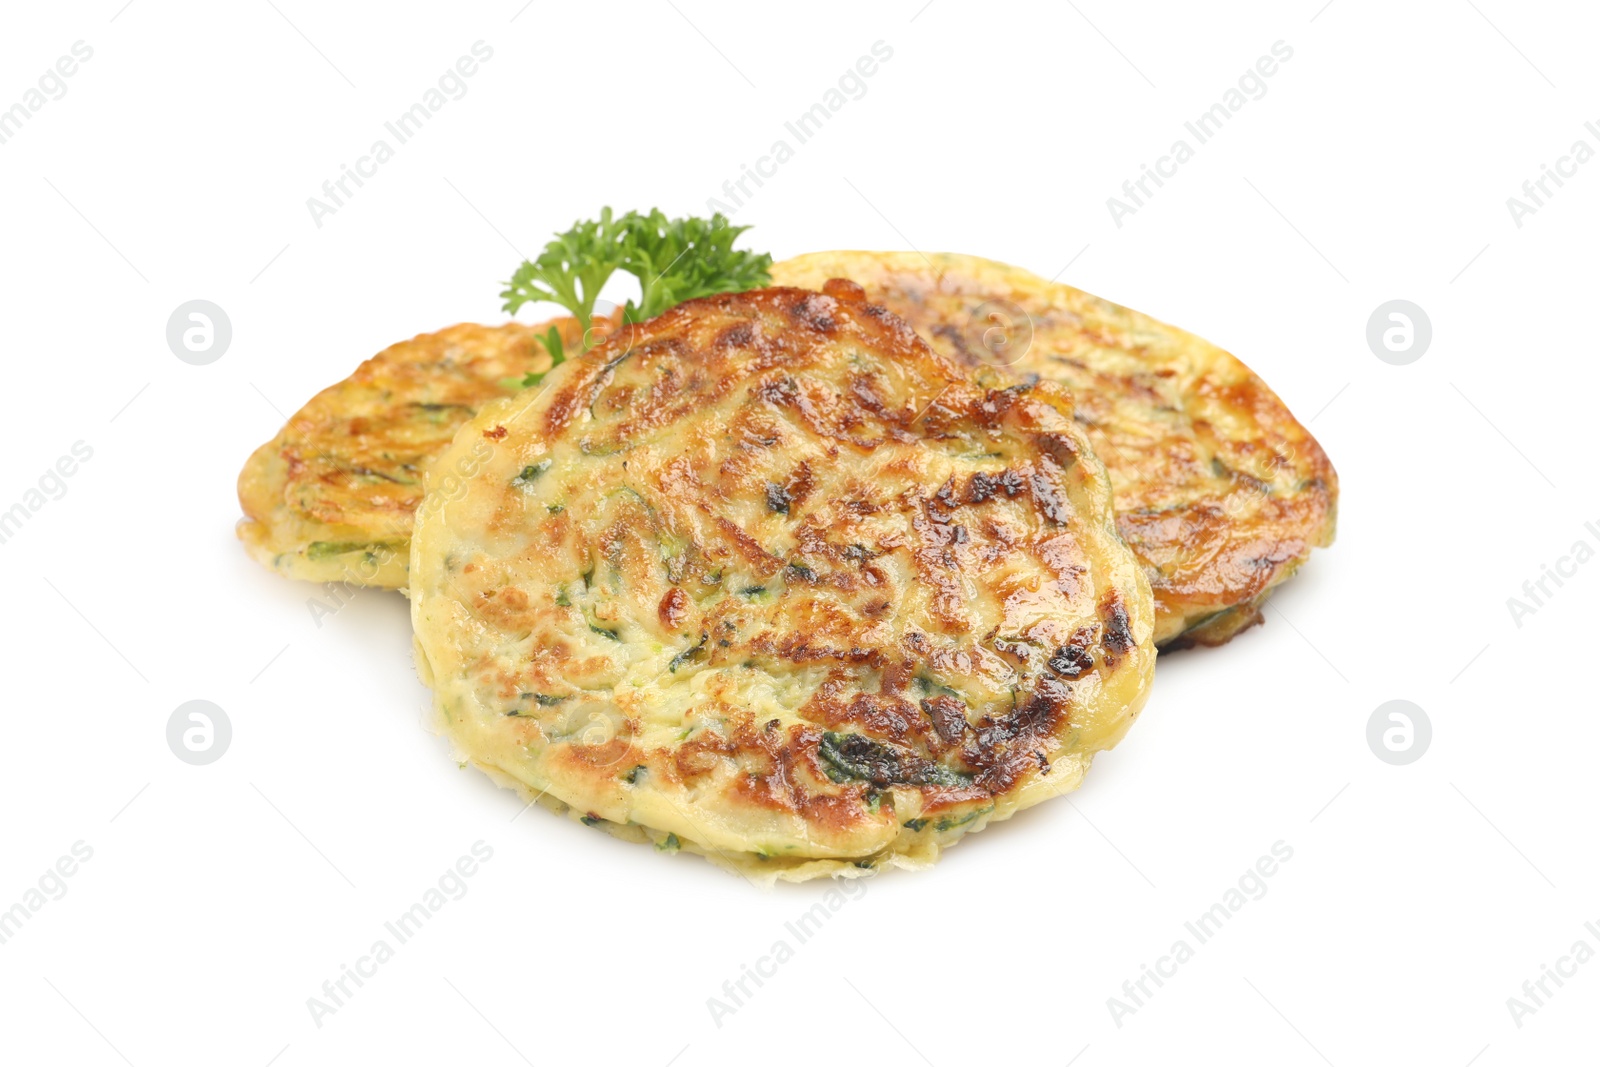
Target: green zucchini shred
[(329, 549), (531, 473)]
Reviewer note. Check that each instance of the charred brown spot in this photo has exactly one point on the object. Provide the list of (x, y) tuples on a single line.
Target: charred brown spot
[(983, 485), (1118, 638), (673, 609), (801, 648), (816, 311), (949, 717), (1049, 498), (1019, 649), (1076, 656), (739, 335), (799, 572), (838, 705), (702, 754), (763, 562), (780, 392), (1010, 746), (981, 488), (778, 498), (953, 336), (495, 434), (800, 483)]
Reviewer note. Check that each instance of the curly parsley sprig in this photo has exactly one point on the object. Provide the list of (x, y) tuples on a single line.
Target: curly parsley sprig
[(682, 259), (673, 259)]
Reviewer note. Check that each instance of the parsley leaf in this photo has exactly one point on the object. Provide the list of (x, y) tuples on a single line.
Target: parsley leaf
[(571, 269), (553, 345), (682, 259), (673, 259)]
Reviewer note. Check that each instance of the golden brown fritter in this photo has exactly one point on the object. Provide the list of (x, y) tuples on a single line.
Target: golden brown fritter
[(768, 579), (1219, 491), (331, 497)]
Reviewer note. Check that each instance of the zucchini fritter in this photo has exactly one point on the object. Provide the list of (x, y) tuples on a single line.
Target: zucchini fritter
[(331, 497), (768, 579), (1219, 491)]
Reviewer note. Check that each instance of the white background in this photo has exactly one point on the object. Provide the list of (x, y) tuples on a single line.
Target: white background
[(1377, 166)]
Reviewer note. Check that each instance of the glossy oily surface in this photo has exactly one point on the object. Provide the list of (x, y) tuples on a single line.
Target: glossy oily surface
[(1220, 492), (767, 578)]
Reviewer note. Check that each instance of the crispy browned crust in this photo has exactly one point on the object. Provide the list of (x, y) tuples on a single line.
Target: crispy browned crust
[(1219, 491), (769, 575), (331, 497)]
